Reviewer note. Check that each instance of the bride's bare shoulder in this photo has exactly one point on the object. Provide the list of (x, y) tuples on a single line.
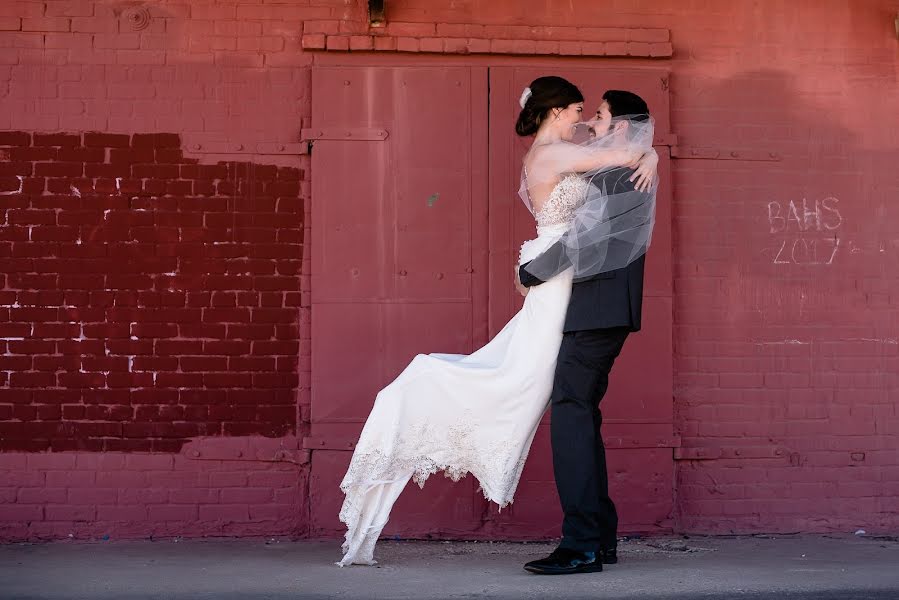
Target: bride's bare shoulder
[(552, 152), (550, 148)]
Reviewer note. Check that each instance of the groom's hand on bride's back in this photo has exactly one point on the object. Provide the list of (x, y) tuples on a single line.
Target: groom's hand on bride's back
[(518, 286), (524, 278)]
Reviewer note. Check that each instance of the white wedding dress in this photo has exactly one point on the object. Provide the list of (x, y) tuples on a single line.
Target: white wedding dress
[(462, 414)]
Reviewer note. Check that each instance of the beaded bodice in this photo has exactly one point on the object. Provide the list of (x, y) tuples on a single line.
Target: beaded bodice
[(565, 198)]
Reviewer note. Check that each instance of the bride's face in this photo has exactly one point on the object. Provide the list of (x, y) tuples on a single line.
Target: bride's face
[(566, 118)]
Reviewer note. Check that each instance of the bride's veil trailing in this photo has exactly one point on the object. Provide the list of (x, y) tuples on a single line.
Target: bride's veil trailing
[(613, 225)]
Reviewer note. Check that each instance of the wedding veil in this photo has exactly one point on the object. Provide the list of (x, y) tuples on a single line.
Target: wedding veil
[(612, 226)]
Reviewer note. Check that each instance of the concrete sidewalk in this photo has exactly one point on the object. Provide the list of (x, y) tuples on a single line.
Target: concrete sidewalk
[(781, 567)]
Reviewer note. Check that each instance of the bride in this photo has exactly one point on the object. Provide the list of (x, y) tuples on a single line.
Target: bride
[(478, 413)]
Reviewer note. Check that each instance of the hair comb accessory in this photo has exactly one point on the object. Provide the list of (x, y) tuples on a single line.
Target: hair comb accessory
[(524, 97)]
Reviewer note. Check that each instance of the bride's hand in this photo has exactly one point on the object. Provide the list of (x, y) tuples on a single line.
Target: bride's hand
[(630, 157), (646, 171)]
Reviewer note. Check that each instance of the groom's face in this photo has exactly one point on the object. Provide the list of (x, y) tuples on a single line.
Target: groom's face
[(602, 121)]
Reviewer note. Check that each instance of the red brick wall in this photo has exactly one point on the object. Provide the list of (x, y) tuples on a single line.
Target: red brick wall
[(786, 348), (93, 495), (148, 299), (162, 313)]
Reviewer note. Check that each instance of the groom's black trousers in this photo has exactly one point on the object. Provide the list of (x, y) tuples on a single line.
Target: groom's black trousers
[(579, 456)]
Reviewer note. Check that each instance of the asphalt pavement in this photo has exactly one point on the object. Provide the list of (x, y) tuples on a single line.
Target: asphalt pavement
[(792, 567)]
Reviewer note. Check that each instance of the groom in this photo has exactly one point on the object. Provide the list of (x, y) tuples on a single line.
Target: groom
[(602, 311)]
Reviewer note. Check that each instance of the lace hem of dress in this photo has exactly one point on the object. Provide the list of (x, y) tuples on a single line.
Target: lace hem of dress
[(422, 467), (375, 467)]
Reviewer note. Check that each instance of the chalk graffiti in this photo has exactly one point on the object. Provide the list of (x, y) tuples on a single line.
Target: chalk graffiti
[(802, 251), (822, 215), (807, 231)]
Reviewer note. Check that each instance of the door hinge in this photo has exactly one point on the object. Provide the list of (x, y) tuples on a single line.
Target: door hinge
[(246, 449), (321, 443), (686, 152), (344, 133), (716, 452), (633, 443), (262, 148), (665, 139)]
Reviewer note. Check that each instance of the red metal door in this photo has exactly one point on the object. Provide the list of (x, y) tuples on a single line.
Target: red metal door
[(399, 232), (400, 265), (638, 409)]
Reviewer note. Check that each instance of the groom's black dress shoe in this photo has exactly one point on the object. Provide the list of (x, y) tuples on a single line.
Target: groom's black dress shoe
[(564, 561), (609, 556)]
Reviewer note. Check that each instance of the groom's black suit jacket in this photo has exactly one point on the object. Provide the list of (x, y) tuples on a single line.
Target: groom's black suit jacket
[(611, 299)]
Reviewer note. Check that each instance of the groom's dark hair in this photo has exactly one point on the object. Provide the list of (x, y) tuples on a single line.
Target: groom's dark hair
[(626, 103)]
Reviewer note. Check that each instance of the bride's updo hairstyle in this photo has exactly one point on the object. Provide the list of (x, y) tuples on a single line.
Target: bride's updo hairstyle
[(546, 93)]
